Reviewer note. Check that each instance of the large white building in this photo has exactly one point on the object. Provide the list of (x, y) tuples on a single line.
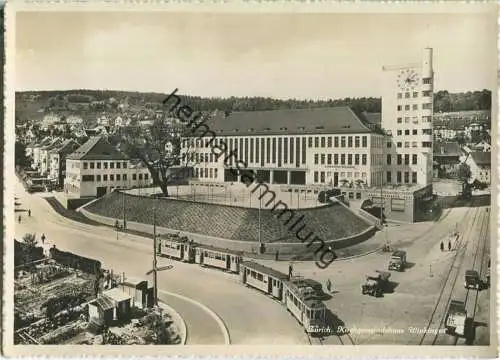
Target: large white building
[(407, 113), (97, 168), (296, 147)]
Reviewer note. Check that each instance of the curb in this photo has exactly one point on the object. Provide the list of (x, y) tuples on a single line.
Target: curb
[(220, 322), (359, 255), (177, 319)]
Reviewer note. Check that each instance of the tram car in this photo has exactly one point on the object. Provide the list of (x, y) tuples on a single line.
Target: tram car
[(263, 278), (176, 247), (225, 259), (300, 300)]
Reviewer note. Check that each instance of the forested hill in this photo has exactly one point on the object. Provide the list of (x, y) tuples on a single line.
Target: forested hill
[(443, 101)]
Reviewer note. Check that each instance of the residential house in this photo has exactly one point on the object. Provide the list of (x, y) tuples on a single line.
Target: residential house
[(37, 151), (446, 157), (44, 155), (57, 160), (97, 168), (480, 166)]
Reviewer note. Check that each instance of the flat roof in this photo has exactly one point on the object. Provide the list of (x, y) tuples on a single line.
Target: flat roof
[(116, 294)]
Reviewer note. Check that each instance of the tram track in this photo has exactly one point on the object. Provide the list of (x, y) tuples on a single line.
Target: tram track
[(452, 275)]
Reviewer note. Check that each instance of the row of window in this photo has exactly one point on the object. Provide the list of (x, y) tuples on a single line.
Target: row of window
[(414, 144), (323, 177), (414, 119), (112, 177), (414, 132), (414, 158), (205, 173), (335, 141), (327, 159), (97, 165), (407, 95), (414, 107), (406, 175)]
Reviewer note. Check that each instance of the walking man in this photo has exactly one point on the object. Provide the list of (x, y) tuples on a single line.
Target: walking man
[(19, 219), (449, 245), (442, 246), (277, 255), (329, 285), (43, 238), (29, 212), (290, 271)]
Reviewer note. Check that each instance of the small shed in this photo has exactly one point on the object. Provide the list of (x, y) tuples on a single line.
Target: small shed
[(139, 291), (101, 309), (121, 302)]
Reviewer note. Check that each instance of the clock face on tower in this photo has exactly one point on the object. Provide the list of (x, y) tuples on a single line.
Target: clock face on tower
[(407, 79)]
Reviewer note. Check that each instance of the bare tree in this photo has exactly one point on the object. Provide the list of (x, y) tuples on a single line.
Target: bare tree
[(158, 146)]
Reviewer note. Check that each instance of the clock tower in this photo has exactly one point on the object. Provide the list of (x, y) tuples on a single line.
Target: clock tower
[(407, 112)]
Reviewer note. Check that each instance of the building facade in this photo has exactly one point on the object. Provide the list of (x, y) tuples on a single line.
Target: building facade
[(97, 168), (330, 146), (407, 114), (480, 166), (57, 160)]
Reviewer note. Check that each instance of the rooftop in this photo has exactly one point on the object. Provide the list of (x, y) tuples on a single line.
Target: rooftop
[(337, 120), (116, 294), (264, 269), (481, 157), (97, 148), (447, 149)]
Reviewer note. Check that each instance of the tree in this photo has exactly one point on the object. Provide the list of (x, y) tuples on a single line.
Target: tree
[(29, 243), (464, 173), (159, 148), (20, 155)]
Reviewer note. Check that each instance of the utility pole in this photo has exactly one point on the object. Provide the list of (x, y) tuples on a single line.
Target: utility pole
[(123, 205), (260, 205), (155, 270)]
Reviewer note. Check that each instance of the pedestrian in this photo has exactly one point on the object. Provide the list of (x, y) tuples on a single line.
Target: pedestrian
[(290, 271), (329, 285), (449, 245), (442, 246), (19, 219), (277, 255), (43, 238), (29, 212)]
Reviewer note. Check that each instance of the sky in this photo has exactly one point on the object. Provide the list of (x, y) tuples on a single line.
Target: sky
[(290, 55)]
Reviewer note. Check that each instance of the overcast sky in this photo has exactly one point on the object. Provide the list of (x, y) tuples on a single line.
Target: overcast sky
[(282, 56)]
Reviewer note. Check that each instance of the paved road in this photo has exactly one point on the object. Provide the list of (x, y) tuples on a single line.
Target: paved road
[(250, 317)]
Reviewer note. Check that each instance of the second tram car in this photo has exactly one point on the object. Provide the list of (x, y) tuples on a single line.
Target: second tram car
[(261, 277), (176, 247), (229, 260)]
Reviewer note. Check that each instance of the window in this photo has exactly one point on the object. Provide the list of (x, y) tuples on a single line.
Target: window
[(124, 177), (329, 144), (400, 132), (398, 176), (322, 177), (414, 120), (407, 177), (105, 177), (124, 165), (349, 141), (118, 165), (427, 106), (323, 141), (105, 165), (316, 159), (427, 131), (316, 142), (322, 159), (389, 159), (427, 81), (400, 159), (407, 107), (349, 159), (414, 177), (85, 166), (407, 95), (98, 177), (92, 165), (215, 174), (407, 144), (414, 144), (427, 118), (407, 159), (415, 107), (415, 94), (342, 141), (342, 159), (426, 144), (400, 108), (414, 159), (111, 177), (414, 132), (87, 177), (98, 164), (389, 174), (365, 141), (399, 144), (407, 132), (363, 159), (356, 141), (329, 159), (426, 93), (335, 159), (356, 159), (400, 120), (407, 119), (400, 95), (118, 177), (111, 165), (389, 144), (316, 176), (310, 141)]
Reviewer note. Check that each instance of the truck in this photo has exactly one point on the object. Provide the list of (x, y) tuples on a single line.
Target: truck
[(397, 260), (472, 280), (456, 318), (375, 283)]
